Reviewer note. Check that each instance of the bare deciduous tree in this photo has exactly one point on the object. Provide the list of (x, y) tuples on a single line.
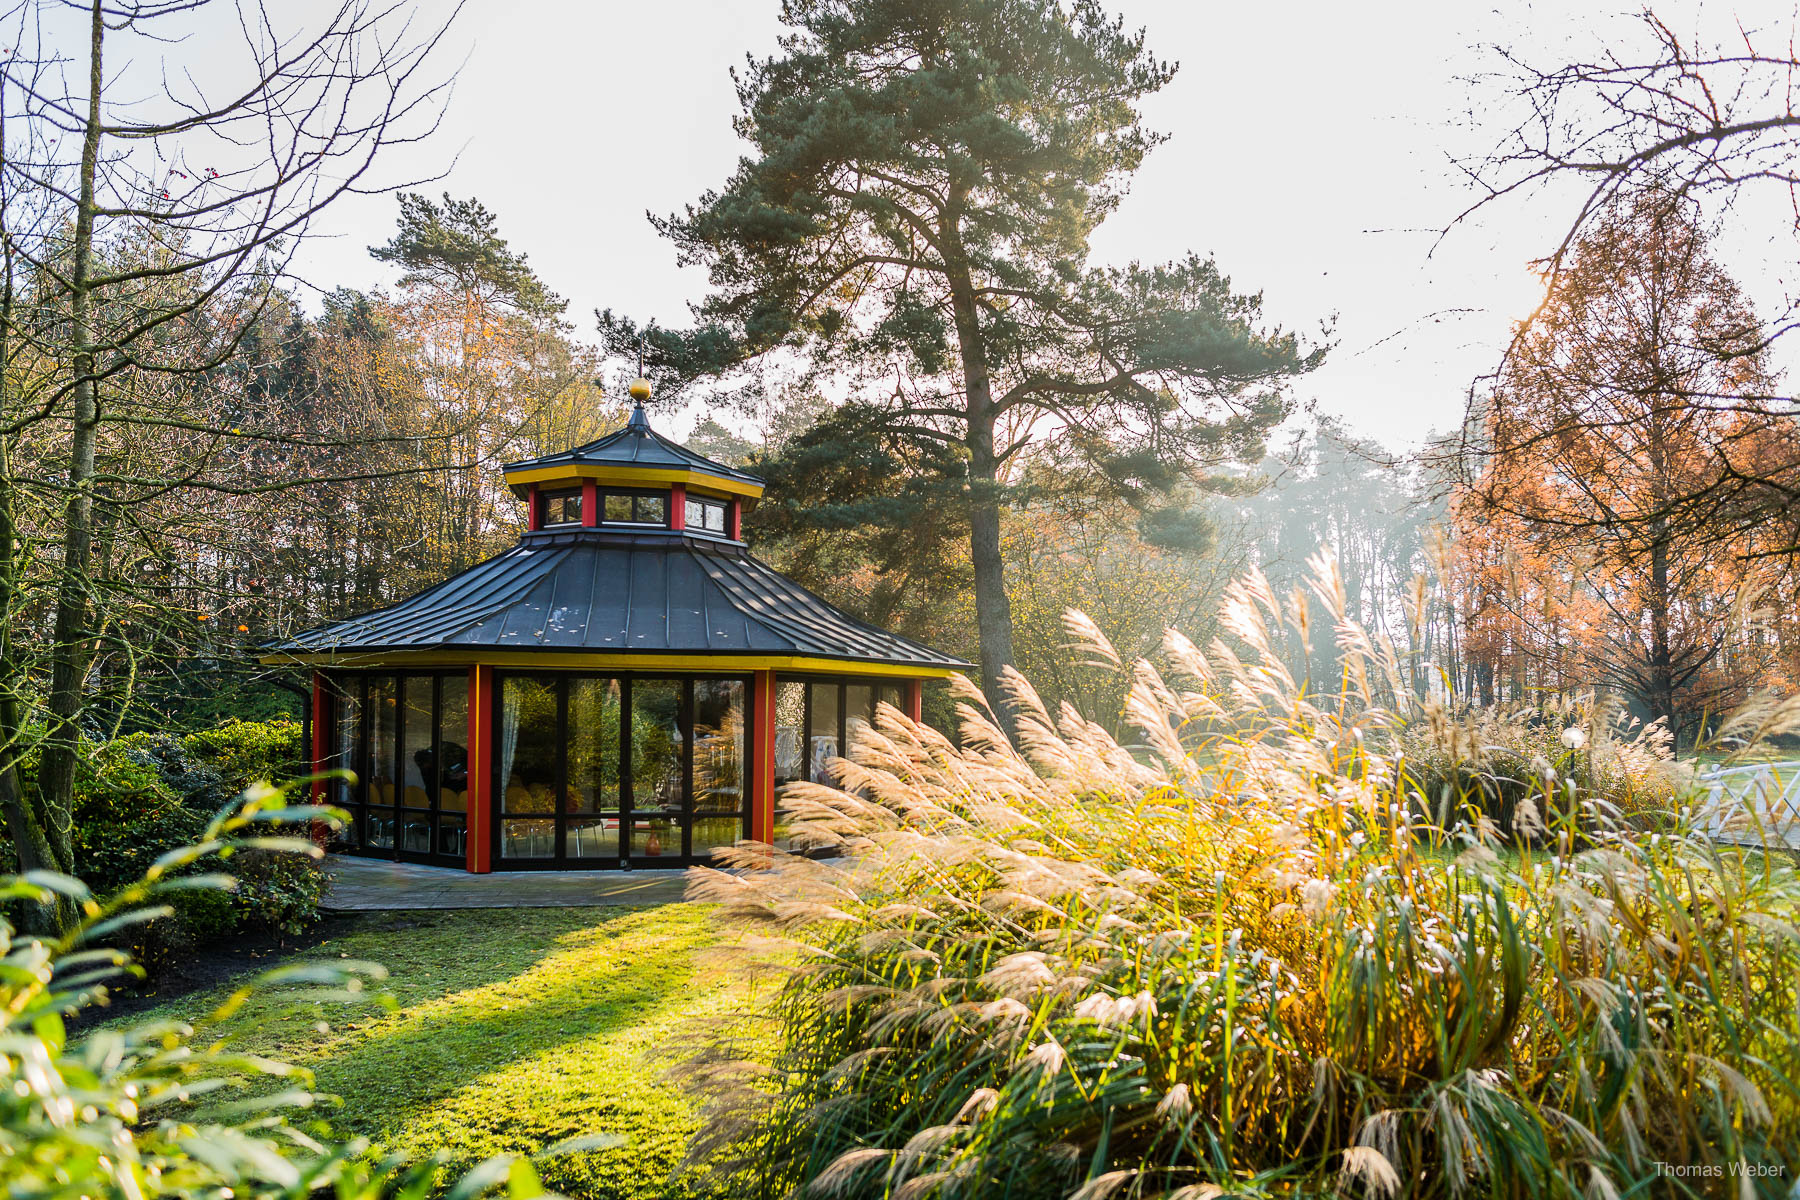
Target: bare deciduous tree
[(146, 227)]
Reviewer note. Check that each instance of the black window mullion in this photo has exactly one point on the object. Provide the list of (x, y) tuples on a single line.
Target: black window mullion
[(806, 730), (843, 719), (625, 797), (358, 761), (558, 842)]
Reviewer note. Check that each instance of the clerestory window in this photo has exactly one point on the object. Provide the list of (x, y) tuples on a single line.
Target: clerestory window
[(704, 514)]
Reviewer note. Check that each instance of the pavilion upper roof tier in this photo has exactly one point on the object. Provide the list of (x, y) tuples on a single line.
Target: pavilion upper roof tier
[(635, 456)]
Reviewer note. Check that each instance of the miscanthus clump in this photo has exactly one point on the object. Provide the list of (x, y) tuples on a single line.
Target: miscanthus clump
[(1238, 959)]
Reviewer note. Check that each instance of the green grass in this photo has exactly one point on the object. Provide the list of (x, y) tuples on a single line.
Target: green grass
[(513, 1029)]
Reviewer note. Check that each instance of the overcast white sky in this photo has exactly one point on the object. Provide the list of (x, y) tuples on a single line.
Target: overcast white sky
[(1309, 151)]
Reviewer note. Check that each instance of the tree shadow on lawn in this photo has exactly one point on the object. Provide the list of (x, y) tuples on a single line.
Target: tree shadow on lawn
[(515, 1028)]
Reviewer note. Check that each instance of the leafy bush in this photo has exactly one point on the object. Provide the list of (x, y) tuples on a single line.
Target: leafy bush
[(1229, 962), (130, 807), (144, 794), (247, 752), (165, 1110)]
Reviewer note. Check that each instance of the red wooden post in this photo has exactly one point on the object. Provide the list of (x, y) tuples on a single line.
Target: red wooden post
[(678, 506), (481, 770), (590, 504), (534, 512), (734, 520), (762, 759), (915, 699)]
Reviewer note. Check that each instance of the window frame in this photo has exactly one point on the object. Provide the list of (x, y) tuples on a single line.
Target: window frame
[(683, 819), (603, 494), (705, 504), (562, 495), (358, 758)]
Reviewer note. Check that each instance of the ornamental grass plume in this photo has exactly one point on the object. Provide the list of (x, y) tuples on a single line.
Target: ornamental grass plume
[(1250, 957)]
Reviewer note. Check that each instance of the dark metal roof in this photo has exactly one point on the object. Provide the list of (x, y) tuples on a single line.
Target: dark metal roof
[(591, 591), (636, 445)]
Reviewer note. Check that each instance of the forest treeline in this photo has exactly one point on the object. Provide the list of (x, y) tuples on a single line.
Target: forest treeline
[(1496, 578), (969, 427)]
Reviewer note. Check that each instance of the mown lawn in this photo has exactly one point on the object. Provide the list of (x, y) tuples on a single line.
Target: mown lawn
[(513, 1029)]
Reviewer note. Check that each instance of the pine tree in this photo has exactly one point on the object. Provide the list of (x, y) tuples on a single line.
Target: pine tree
[(913, 224)]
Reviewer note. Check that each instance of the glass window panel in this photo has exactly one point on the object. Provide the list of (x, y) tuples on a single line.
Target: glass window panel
[(655, 837), (823, 741), (715, 518), (453, 837), (527, 753), (859, 707), (378, 829), (415, 832), (527, 839), (889, 694), (593, 745), (451, 768), (656, 745), (347, 742), (790, 732), (713, 832), (693, 514), (562, 508), (383, 713), (618, 506), (718, 745), (651, 510), (416, 749), (596, 837)]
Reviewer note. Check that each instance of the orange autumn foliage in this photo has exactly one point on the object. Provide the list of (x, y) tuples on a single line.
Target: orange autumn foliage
[(1613, 535)]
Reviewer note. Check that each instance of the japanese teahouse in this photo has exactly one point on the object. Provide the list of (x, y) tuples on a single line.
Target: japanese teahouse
[(625, 687)]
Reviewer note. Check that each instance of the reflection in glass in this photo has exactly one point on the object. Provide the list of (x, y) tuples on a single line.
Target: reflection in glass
[(592, 838), (378, 829), (656, 746), (824, 740), (790, 732), (453, 837), (889, 695), (528, 750), (415, 833), (655, 837), (347, 748), (527, 839), (711, 833), (593, 745), (415, 745), (718, 745), (450, 769), (381, 749), (859, 707)]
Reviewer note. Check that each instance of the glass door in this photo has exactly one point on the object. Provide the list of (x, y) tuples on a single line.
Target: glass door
[(608, 771)]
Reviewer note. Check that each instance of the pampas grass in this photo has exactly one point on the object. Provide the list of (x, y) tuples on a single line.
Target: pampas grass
[(1270, 949)]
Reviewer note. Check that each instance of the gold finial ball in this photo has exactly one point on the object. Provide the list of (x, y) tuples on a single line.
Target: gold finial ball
[(640, 389)]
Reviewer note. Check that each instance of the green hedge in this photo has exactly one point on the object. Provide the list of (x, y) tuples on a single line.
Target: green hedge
[(146, 793)]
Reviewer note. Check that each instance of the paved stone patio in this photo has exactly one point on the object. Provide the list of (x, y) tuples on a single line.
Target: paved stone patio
[(370, 885)]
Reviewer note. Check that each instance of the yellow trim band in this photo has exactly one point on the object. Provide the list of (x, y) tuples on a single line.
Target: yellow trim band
[(601, 662), (635, 476)]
